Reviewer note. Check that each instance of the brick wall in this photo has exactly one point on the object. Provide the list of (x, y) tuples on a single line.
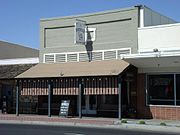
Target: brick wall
[(155, 112), (162, 112)]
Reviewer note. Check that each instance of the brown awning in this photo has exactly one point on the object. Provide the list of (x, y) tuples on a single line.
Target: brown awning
[(76, 69)]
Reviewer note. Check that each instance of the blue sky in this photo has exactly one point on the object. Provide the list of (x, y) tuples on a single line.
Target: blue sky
[(19, 19)]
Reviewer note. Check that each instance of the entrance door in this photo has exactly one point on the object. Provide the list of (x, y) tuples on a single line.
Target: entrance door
[(89, 104), (6, 96)]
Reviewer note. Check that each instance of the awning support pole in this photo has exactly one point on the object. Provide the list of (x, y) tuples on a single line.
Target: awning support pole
[(17, 98), (80, 93), (49, 98), (119, 98)]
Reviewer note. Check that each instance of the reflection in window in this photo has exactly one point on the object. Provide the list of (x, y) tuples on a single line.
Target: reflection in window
[(111, 99), (161, 89)]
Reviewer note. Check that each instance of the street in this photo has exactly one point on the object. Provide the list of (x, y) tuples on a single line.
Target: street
[(13, 129)]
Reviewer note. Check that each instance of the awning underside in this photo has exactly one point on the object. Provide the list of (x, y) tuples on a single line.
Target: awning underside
[(148, 62), (70, 86)]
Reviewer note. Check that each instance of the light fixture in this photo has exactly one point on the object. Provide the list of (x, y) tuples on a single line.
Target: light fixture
[(155, 50), (61, 74)]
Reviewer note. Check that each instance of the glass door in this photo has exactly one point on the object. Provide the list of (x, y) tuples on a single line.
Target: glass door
[(89, 104)]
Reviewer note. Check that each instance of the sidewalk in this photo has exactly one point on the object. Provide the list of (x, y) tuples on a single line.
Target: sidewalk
[(132, 124)]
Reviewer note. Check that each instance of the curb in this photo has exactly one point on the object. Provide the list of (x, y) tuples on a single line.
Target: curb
[(156, 128)]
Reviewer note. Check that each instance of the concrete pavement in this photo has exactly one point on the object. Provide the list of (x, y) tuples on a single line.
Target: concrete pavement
[(132, 124), (15, 129)]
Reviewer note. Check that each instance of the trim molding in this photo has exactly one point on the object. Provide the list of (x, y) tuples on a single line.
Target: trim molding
[(19, 61)]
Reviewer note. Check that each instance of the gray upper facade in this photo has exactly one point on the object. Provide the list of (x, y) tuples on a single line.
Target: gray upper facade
[(113, 30)]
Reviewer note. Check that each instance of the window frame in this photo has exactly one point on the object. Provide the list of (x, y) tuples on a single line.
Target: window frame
[(177, 97), (147, 101)]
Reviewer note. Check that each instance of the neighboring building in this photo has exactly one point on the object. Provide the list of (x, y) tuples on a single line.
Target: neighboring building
[(14, 60), (158, 63), (95, 73)]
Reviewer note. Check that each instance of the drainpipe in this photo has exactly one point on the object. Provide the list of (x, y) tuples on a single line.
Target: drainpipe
[(140, 15)]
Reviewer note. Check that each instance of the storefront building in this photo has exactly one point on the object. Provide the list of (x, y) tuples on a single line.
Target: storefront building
[(158, 71), (108, 64)]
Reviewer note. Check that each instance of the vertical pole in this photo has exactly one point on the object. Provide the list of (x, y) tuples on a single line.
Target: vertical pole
[(119, 98), (80, 91), (17, 98), (175, 89), (128, 93), (49, 98)]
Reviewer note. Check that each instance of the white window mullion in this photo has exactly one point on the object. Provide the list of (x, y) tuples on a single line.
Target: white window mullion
[(54, 58), (116, 54), (44, 58), (102, 55), (66, 57), (78, 57)]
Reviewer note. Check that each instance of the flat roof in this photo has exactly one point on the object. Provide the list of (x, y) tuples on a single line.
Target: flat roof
[(12, 51), (89, 14), (11, 71)]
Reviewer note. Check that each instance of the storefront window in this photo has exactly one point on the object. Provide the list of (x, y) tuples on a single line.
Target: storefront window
[(161, 89), (178, 89)]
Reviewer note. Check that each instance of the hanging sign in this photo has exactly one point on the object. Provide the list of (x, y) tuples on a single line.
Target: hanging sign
[(79, 32)]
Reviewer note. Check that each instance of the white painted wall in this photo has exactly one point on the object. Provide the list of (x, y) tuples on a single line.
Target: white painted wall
[(162, 37), (19, 61)]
